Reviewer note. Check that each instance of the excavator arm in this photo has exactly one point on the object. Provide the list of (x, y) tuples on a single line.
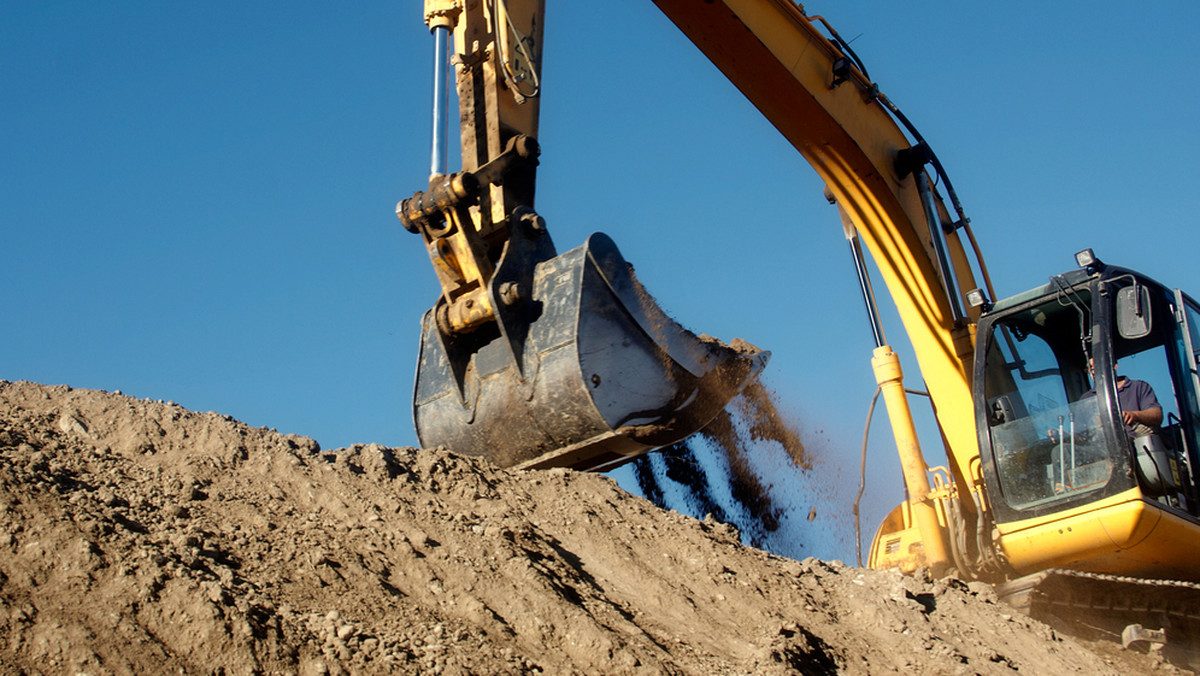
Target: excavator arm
[(465, 217)]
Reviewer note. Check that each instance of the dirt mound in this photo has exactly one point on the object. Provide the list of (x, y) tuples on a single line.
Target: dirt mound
[(138, 536)]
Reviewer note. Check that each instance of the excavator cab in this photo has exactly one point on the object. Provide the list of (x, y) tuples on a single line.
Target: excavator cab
[(1058, 455), (533, 358)]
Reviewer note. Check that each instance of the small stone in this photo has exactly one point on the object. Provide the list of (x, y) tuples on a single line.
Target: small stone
[(38, 461), (212, 591), (69, 424)]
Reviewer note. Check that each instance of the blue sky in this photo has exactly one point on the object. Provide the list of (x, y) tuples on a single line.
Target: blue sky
[(198, 197)]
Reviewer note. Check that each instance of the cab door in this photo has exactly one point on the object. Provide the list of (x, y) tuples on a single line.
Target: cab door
[(1187, 352)]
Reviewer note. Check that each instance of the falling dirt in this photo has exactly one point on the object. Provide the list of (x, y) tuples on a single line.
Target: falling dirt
[(141, 537), (748, 467), (753, 509), (757, 405)]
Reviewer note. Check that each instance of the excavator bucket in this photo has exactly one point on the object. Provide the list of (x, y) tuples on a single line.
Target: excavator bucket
[(582, 369)]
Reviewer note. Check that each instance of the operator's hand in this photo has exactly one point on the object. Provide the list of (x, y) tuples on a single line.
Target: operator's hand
[(1130, 417)]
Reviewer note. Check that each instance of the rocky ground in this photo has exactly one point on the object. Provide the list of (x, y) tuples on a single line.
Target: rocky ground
[(140, 537)]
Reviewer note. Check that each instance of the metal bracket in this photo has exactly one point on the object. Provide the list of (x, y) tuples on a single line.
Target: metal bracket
[(1135, 634)]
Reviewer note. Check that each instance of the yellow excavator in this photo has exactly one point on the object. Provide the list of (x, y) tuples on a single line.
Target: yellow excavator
[(536, 359)]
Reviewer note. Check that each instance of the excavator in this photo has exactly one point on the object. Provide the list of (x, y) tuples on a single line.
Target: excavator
[(533, 359)]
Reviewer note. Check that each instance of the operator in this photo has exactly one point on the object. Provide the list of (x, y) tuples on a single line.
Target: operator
[(1140, 409)]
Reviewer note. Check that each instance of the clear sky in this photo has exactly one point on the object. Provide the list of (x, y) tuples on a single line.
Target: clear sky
[(198, 197)]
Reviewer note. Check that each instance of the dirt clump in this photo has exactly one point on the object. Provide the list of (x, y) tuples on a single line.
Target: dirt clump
[(138, 536)]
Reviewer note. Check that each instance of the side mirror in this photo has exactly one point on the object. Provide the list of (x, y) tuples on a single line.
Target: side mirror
[(1133, 312)]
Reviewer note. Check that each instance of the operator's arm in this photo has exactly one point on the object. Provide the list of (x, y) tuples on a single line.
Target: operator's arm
[(1151, 417), (1146, 409)]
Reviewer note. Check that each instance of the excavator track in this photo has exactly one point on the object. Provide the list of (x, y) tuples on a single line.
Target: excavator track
[(1137, 612)]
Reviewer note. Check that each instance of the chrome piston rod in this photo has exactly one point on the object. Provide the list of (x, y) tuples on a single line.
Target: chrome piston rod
[(441, 68)]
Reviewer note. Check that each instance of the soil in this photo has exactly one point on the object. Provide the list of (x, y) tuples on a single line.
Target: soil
[(140, 537)]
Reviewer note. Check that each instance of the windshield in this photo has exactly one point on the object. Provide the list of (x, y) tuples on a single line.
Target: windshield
[(1047, 442), (1052, 453)]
